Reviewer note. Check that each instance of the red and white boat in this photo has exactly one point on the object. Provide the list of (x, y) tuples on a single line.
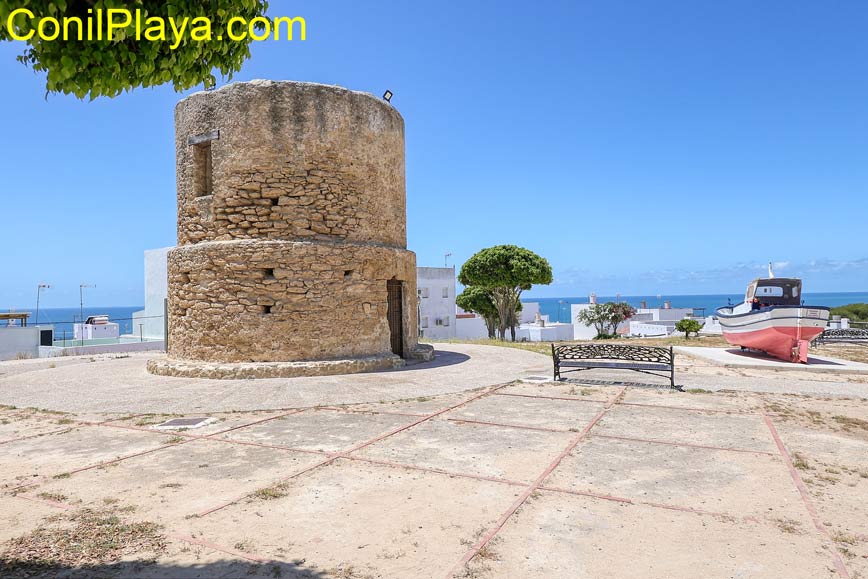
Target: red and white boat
[(773, 319)]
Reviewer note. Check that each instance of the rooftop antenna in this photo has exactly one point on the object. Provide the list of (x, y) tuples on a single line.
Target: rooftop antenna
[(446, 257), (39, 289), (771, 271)]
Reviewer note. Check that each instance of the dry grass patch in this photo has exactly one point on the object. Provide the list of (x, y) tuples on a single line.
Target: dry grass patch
[(271, 493), (56, 497), (85, 538), (788, 525), (800, 462), (850, 423)]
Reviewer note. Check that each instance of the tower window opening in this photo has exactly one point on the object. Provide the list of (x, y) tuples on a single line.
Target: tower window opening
[(203, 172)]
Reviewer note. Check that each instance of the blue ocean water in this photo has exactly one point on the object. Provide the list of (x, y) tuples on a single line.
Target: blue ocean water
[(558, 309), (64, 318)]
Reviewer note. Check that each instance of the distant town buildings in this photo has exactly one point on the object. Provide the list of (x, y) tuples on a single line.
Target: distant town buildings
[(440, 319)]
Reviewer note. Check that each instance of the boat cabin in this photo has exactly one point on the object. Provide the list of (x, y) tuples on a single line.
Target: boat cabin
[(775, 291)]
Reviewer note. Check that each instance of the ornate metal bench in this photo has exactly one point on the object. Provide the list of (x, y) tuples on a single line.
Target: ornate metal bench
[(849, 336), (646, 359)]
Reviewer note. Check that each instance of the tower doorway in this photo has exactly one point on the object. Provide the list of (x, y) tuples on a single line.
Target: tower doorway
[(396, 315)]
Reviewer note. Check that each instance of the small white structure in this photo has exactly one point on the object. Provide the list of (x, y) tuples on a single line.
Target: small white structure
[(435, 287), (712, 326), (585, 332), (96, 328), (150, 323), (470, 327), (532, 327), (17, 342)]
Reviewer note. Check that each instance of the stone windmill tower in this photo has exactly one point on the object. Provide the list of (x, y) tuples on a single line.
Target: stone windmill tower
[(292, 248)]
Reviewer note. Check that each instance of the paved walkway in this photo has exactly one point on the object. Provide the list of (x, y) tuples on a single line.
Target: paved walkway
[(519, 481), (735, 358), (112, 384)]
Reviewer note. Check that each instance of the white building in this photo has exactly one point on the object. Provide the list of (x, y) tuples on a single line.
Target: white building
[(19, 341), (150, 323), (532, 326), (96, 328), (658, 322), (435, 287)]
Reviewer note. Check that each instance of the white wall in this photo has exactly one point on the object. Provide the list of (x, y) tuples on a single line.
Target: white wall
[(436, 289), (580, 330), (471, 328), (548, 333), (528, 312), (671, 314), (712, 326), (18, 342), (649, 329), (95, 331), (156, 290), (57, 351)]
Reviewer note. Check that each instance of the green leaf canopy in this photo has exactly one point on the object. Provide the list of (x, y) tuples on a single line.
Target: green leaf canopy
[(505, 266), (97, 68)]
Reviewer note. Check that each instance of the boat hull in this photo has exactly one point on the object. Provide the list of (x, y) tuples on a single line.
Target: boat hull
[(783, 332)]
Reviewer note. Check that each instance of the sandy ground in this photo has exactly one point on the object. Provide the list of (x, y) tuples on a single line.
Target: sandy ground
[(523, 480), (121, 383)]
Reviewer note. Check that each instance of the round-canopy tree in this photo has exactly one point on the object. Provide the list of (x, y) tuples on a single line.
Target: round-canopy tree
[(505, 271), (107, 68), (688, 326), (478, 301)]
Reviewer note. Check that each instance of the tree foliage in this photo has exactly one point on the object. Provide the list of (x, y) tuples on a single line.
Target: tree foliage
[(505, 271), (688, 326), (605, 318), (478, 301), (108, 68), (854, 312)]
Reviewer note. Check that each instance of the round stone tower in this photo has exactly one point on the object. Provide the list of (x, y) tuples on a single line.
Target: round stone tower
[(291, 256)]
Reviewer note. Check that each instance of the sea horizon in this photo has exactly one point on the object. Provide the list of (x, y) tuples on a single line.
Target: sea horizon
[(557, 308)]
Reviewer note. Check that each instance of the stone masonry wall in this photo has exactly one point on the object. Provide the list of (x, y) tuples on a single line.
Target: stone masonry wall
[(294, 161), (247, 302), (291, 221)]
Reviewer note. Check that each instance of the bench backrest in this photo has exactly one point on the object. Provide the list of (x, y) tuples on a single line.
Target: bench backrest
[(613, 352), (847, 334)]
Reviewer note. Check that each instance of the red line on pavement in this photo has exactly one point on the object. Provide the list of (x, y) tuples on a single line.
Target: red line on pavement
[(189, 437), (79, 424), (519, 426), (354, 411), (586, 494), (50, 503), (222, 549), (61, 431), (686, 444), (476, 548), (570, 398), (345, 453), (688, 408), (437, 471), (806, 498)]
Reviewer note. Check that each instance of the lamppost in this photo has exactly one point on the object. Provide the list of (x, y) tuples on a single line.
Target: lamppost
[(446, 257), (81, 307), (39, 289)]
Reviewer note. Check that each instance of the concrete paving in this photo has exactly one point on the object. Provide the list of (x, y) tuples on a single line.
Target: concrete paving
[(736, 358), (521, 480), (122, 384)]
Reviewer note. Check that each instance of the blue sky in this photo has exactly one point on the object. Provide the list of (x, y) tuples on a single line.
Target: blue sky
[(670, 147)]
